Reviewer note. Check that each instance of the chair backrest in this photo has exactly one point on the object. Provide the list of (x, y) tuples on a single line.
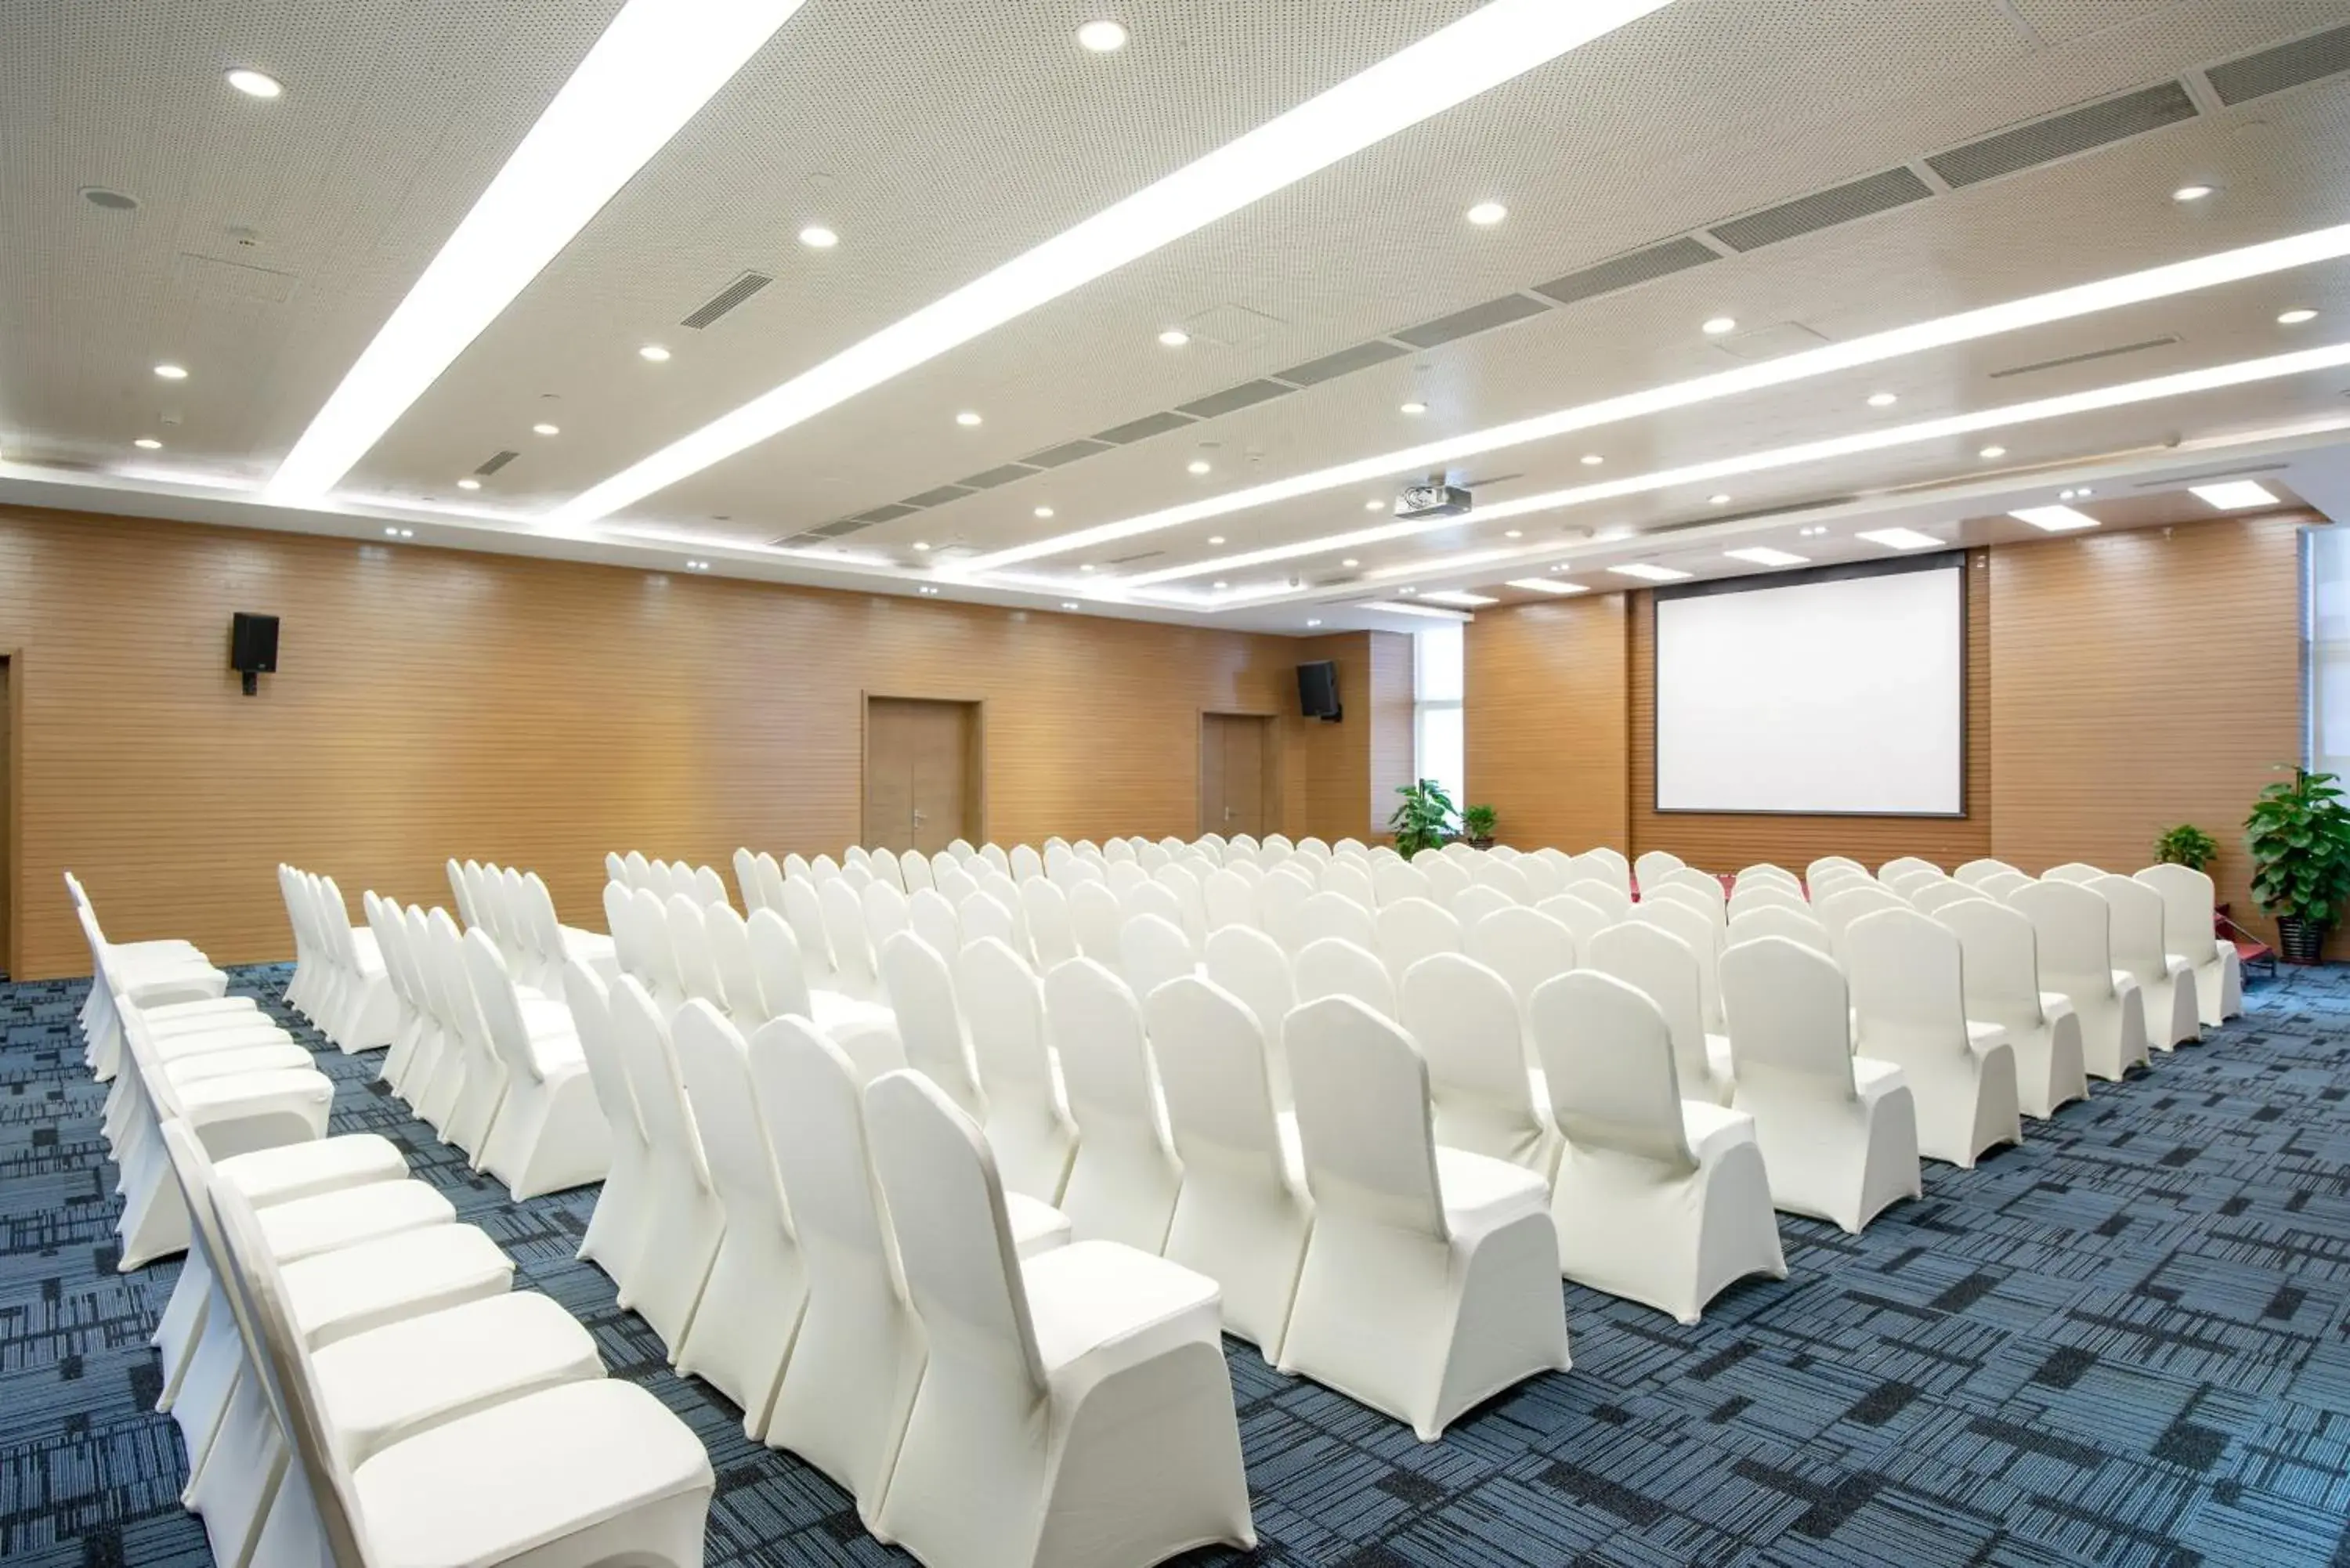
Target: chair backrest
[(747, 878), (1583, 918), (2189, 900), (660, 947), (1365, 1123), (2073, 929), (1703, 937), (688, 939), (795, 864), (1974, 871), (1767, 894), (500, 1008), (1610, 1060), (1788, 1014), (1281, 907), (730, 954), (823, 869), (1902, 864), (954, 1244), (844, 928), (1446, 879), (1409, 930), (1604, 865), (1147, 897), (809, 1099), (1217, 1076), (1708, 907), (1396, 880), (1544, 875), (1334, 966), (1153, 950), (1191, 902), (1097, 919), (1657, 961), (1704, 884), (1477, 901), (1500, 877), (1908, 992), (615, 868), (709, 886), (1525, 947), (650, 1062), (1327, 914), (1609, 899), (1839, 909), (780, 967), (994, 854), (2072, 871), (1251, 965), (888, 868), (715, 1064), (1003, 1012), (1095, 1025), (983, 914), (1763, 872), (961, 848), (929, 1019), (1791, 921), (1025, 862), (1467, 1022), (2002, 884), (1830, 863), (2135, 930), (885, 912), (916, 873), (1350, 880), (1652, 866), (930, 917), (2002, 961), (1230, 899), (1051, 931)]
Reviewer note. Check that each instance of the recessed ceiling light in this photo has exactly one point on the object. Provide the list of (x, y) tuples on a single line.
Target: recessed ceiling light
[(1406, 593), (1215, 538), (654, 352), (1648, 572), (2054, 519), (1883, 400), (1351, 561), (1545, 585), (967, 419), (1993, 452), (256, 84), (1414, 407), (1714, 327), (2084, 490), (1068, 603), (1456, 596), (1899, 538), (1814, 532), (148, 443), (1592, 460), (1764, 555), (1043, 512), (1103, 38), (2190, 192), (469, 483), (1088, 567), (391, 533), (1174, 337), (926, 588), (1514, 534), (816, 238), (172, 372), (922, 544), (1312, 624), (543, 428), (2234, 495), (1197, 465), (637, 86), (2296, 315), (1221, 584), (1485, 214), (1719, 498), (1375, 506)]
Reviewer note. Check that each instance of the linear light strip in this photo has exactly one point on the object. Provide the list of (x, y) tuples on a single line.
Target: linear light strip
[(2062, 305), (2177, 385), (1494, 44), (655, 67)]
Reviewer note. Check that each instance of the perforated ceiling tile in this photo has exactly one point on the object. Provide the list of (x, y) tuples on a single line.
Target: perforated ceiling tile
[(1142, 429), (1825, 209), (2286, 66), (1477, 318), (726, 299), (1344, 362), (2062, 135), (1622, 272), (1234, 398)]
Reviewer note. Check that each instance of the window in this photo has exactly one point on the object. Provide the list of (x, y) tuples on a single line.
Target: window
[(2325, 625), (1440, 748)]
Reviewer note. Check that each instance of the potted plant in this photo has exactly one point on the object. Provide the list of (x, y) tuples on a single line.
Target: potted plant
[(2189, 846), (2299, 837), (1477, 826), (1424, 820)]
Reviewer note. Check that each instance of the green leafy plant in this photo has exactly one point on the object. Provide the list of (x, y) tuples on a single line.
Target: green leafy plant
[(2186, 845), (1424, 820), (1477, 823), (2299, 836)]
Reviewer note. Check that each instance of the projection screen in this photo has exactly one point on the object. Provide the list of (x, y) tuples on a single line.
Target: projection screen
[(1842, 692)]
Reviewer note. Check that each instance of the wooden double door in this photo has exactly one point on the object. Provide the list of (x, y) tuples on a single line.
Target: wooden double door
[(921, 773), (1237, 775)]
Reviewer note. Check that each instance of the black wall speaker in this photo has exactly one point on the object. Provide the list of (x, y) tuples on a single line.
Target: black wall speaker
[(253, 648), (1317, 690)]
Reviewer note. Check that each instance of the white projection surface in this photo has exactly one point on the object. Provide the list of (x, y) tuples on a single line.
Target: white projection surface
[(1843, 695)]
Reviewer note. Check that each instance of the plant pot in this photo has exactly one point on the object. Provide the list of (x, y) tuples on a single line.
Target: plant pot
[(2298, 940), (1485, 843)]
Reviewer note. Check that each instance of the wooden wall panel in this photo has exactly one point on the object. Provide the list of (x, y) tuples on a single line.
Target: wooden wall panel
[(1726, 842), (1394, 760), (436, 702), (1546, 721), (2138, 680)]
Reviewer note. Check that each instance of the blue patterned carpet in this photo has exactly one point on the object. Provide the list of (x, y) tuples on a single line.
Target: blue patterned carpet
[(2127, 1342)]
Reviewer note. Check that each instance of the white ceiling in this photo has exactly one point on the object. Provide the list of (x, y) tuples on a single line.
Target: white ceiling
[(272, 239)]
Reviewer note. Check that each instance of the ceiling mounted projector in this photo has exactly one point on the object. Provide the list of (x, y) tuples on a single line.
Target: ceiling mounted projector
[(1432, 501)]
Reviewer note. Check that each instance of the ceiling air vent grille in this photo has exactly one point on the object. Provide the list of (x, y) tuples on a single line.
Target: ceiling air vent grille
[(2062, 135), (727, 299), (2085, 358), (1344, 362), (1067, 451), (890, 514), (496, 463), (1624, 271), (1005, 474), (1476, 319), (1143, 429), (944, 493), (2287, 65), (1822, 210), (1215, 405)]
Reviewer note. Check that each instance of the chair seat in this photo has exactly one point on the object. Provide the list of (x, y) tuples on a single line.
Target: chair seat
[(1718, 1057), (205, 1012), (492, 1485), (586, 946), (1091, 1294), (370, 953), (1985, 1037), (163, 950), (281, 1175), (837, 1009), (238, 1060), (1713, 1131), (351, 1290), (392, 1383), (1480, 1192), (247, 1093), (179, 983), (1037, 1226), (304, 1227), (242, 1037), (544, 1015), (1875, 1080)]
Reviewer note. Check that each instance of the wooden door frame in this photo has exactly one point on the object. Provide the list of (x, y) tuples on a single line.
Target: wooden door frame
[(1273, 778), (975, 764)]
